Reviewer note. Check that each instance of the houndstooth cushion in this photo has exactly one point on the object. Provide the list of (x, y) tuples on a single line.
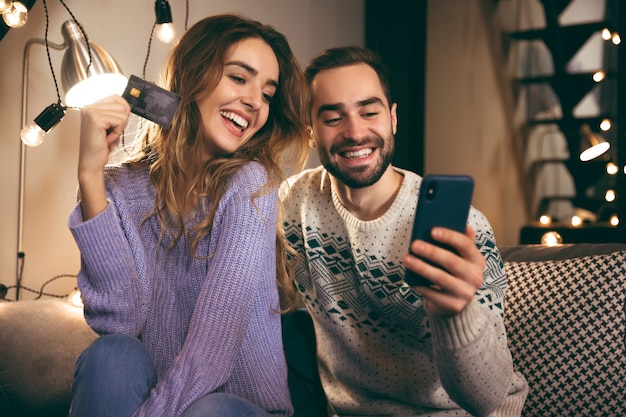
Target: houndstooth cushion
[(565, 325)]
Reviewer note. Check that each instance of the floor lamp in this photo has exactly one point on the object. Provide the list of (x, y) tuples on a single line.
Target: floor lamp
[(88, 74)]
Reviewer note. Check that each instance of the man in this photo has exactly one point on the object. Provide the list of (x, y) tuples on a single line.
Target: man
[(384, 348)]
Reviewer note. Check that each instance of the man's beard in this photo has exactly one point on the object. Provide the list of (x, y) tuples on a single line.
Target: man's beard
[(363, 176)]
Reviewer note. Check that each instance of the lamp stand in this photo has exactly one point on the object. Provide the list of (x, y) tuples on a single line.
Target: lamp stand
[(21, 255)]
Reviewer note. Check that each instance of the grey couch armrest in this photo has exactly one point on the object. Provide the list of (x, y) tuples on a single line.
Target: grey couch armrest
[(39, 343), (526, 253)]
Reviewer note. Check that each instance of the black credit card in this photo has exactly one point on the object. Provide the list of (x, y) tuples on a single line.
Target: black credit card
[(150, 101)]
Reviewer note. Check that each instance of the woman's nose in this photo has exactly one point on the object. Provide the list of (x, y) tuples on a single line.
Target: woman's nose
[(253, 99)]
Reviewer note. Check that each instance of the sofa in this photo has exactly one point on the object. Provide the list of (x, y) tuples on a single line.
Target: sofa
[(564, 312)]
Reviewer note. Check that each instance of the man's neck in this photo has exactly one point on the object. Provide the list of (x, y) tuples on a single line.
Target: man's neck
[(369, 203)]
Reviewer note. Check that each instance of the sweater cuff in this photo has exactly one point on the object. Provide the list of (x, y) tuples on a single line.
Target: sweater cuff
[(459, 330)]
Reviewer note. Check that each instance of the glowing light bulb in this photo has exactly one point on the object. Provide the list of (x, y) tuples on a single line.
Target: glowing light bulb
[(598, 76), (576, 221), (609, 196), (606, 34), (166, 32), (545, 219), (616, 39), (605, 125), (34, 133), (5, 5), (551, 239), (614, 220), (611, 168), (75, 298), (16, 16)]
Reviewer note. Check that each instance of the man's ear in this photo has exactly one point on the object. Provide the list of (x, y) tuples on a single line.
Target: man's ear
[(312, 141), (394, 118)]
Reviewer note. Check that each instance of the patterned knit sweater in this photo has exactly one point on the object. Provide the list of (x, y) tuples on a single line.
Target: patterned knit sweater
[(379, 351), (209, 324)]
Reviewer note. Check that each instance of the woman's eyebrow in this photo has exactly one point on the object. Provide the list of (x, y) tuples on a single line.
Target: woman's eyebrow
[(250, 70)]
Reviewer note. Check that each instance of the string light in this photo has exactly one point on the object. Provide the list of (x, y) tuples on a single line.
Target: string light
[(33, 134), (605, 125), (5, 6), (545, 219), (16, 15), (611, 168), (551, 238), (165, 30), (598, 76), (40, 292)]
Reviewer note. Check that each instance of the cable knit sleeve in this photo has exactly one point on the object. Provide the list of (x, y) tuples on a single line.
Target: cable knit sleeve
[(111, 258), (471, 351)]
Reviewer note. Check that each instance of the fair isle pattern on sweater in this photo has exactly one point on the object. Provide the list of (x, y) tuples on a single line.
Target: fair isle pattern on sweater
[(370, 284)]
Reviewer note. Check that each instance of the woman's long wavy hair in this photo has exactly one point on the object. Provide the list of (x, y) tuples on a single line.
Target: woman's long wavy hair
[(177, 171)]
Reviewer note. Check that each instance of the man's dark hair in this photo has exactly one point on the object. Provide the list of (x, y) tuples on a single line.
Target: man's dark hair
[(349, 55)]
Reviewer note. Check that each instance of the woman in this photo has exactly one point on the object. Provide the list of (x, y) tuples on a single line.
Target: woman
[(181, 254)]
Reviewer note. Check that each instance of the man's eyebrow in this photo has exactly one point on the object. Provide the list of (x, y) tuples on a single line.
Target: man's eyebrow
[(250, 70), (371, 100), (329, 107), (338, 106)]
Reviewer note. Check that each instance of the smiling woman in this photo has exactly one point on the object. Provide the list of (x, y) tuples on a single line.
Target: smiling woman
[(179, 242), (240, 103)]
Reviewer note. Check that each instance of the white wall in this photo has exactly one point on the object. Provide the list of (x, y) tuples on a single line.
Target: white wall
[(122, 27)]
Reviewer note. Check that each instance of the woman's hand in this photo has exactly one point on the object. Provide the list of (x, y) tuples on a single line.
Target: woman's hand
[(102, 125), (455, 286)]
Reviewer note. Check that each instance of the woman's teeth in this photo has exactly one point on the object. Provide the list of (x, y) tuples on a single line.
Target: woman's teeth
[(358, 154), (238, 120)]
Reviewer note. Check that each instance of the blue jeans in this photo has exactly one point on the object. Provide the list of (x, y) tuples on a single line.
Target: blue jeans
[(114, 376)]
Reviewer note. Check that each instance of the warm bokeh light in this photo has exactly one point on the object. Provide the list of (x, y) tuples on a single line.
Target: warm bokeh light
[(616, 39), (611, 168), (75, 299), (545, 219), (614, 220), (609, 195), (605, 125), (576, 221), (598, 76), (551, 238)]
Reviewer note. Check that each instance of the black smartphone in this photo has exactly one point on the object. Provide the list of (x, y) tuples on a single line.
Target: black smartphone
[(444, 200)]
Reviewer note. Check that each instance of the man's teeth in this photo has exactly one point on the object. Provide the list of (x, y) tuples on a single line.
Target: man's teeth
[(358, 154), (240, 121)]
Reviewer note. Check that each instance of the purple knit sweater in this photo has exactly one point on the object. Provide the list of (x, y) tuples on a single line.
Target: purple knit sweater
[(208, 324)]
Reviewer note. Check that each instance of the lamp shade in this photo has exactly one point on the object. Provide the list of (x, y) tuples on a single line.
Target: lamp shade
[(595, 145), (84, 83)]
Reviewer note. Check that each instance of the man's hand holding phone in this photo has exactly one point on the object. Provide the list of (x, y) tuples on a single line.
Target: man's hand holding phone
[(457, 278), (443, 263)]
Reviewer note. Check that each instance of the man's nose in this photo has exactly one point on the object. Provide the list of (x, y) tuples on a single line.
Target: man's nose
[(354, 128)]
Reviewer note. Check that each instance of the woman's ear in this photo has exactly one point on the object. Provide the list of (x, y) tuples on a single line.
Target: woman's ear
[(312, 141)]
